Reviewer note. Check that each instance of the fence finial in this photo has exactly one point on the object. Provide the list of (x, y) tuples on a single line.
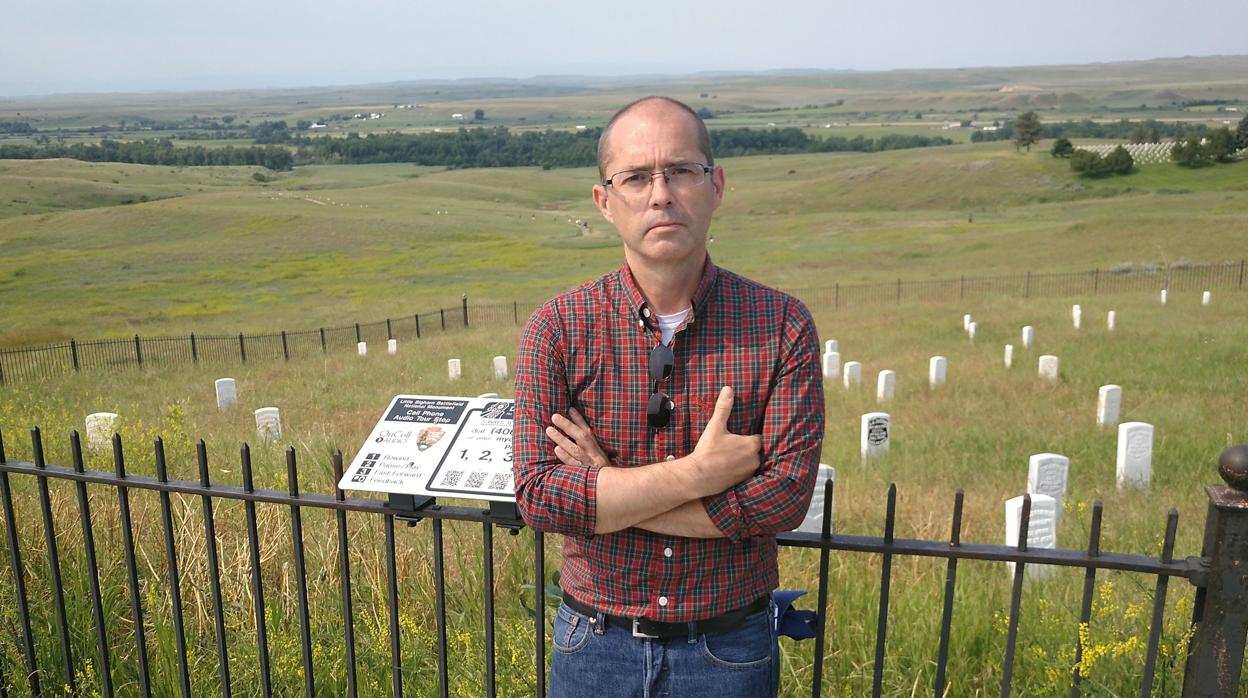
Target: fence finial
[(1233, 467)]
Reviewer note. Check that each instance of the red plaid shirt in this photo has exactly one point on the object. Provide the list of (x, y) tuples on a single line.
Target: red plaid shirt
[(588, 349)]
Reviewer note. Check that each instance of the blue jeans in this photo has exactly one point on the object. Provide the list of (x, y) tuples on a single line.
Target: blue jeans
[(611, 663)]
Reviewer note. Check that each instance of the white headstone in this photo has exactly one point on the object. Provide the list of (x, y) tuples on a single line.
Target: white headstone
[(971, 329), (1076, 315), (1009, 355), (1047, 474), (1041, 528), (832, 365), (830, 346), (1205, 298), (876, 432), (392, 346), (1163, 296), (1108, 405), (268, 423), (1029, 336), (500, 368), (362, 348), (1135, 454), (453, 369), (227, 393), (885, 386), (966, 321), (813, 523), (1109, 320), (853, 374), (937, 371), (488, 395), (100, 427), (1048, 368)]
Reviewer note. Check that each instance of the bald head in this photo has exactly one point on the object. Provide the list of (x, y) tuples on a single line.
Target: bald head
[(680, 109)]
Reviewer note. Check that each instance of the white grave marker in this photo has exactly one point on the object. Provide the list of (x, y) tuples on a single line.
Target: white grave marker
[(1041, 528), (1109, 320), (453, 369), (1108, 405), (488, 395), (1047, 474), (876, 433), (268, 423), (830, 346), (227, 393), (966, 322), (392, 346), (853, 374), (1048, 368), (1205, 298), (1009, 355), (361, 348), (971, 329), (1163, 296), (100, 428), (500, 368), (1029, 336), (813, 523), (1076, 315), (1135, 454), (832, 365), (937, 371), (885, 386)]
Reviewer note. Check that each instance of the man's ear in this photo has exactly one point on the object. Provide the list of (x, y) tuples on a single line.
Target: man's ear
[(600, 201)]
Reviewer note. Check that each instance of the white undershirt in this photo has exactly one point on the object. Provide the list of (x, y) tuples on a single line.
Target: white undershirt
[(669, 323)]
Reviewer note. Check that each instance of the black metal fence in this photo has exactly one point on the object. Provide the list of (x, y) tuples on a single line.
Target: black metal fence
[(1215, 651), (62, 358)]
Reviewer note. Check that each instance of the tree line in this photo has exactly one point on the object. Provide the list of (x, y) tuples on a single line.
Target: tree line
[(155, 152), (1147, 131)]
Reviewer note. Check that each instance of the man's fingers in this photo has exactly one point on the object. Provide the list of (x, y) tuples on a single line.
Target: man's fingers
[(578, 419), (723, 406), (567, 458), (559, 438)]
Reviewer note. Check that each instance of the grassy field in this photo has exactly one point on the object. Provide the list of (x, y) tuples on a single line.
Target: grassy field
[(1177, 365), (214, 250)]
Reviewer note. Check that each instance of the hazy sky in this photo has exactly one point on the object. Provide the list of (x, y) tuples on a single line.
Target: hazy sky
[(64, 45)]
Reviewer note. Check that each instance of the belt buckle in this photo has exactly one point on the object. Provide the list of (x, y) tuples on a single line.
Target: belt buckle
[(638, 633)]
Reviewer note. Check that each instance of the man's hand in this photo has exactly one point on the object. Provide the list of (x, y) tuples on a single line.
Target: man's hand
[(574, 440), (721, 459)]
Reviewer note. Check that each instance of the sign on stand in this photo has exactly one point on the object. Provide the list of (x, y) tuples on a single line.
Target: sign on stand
[(437, 446)]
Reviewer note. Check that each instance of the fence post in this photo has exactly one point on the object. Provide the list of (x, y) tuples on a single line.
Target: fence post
[(837, 298), (242, 348), (1027, 288), (463, 299), (1241, 274), (898, 290), (285, 349), (194, 350), (323, 348), (1096, 280), (1216, 653), (417, 317), (1, 369), (138, 350), (962, 287), (389, 330), (73, 352), (515, 312), (442, 312), (357, 333)]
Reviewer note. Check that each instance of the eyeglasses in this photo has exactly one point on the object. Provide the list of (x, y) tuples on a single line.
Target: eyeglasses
[(682, 175), (659, 406)]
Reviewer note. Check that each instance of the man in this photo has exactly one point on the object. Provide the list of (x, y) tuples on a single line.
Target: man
[(669, 419)]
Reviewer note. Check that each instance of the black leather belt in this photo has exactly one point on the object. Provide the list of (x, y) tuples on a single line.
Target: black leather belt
[(663, 630)]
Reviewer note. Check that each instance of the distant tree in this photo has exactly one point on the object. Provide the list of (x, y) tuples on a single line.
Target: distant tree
[(303, 124), (1241, 134), (1220, 145), (478, 115), (228, 118), (1062, 148), (1089, 164), (1140, 134), (705, 113), (1188, 152), (1119, 161), (1026, 130)]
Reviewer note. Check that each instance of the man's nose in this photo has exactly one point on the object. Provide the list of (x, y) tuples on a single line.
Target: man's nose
[(660, 195)]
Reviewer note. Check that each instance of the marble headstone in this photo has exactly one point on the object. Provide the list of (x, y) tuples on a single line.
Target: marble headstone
[(852, 373), (1029, 336), (937, 371), (500, 368), (1048, 368), (1109, 320), (1041, 528), (1135, 454), (1076, 315), (1009, 355), (813, 523), (885, 386), (830, 346), (99, 428), (832, 365), (1108, 405), (1047, 474), (392, 346), (453, 369), (876, 428), (361, 348), (268, 423), (227, 393)]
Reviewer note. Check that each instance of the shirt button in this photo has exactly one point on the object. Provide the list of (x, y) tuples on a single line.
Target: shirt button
[(662, 600), (667, 552), (645, 312)]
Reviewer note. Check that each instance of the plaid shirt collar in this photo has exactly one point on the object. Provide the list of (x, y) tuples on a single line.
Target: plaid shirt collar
[(632, 303)]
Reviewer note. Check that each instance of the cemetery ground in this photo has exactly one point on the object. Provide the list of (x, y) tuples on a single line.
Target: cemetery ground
[(1180, 366), (215, 250)]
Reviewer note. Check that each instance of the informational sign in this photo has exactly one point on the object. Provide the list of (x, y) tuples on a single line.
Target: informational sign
[(438, 446)]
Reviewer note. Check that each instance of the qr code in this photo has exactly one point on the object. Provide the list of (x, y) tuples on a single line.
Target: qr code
[(452, 478), (476, 480), (500, 481)]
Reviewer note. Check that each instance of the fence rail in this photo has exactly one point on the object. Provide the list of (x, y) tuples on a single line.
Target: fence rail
[(61, 358), (1215, 653)]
